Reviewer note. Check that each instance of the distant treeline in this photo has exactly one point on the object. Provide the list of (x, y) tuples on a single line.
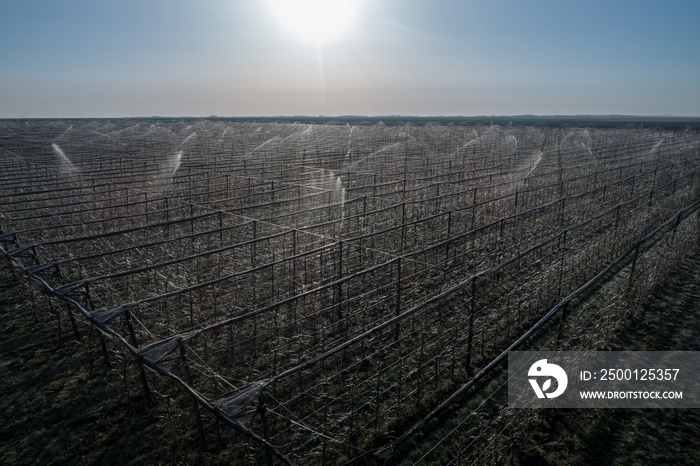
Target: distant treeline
[(592, 121), (671, 123)]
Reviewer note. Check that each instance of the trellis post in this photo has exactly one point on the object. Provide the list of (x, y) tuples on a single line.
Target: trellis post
[(139, 362)]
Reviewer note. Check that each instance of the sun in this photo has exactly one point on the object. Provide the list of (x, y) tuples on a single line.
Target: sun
[(316, 20)]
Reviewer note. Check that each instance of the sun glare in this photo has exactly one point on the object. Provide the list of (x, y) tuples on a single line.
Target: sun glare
[(316, 19)]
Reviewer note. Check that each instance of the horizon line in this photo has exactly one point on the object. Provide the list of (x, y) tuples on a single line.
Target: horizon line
[(392, 116)]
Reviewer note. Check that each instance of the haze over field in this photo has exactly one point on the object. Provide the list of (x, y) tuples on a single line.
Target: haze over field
[(80, 58)]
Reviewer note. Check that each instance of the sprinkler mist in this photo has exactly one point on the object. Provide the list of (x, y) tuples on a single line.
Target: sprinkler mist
[(65, 165)]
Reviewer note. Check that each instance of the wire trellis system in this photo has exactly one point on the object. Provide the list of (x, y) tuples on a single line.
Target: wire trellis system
[(327, 290)]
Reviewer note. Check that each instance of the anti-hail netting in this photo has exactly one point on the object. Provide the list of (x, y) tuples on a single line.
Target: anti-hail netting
[(324, 287)]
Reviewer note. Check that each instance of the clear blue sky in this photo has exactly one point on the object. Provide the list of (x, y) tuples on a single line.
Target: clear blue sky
[(100, 58)]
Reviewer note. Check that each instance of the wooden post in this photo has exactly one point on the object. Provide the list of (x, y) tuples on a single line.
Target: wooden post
[(195, 405), (262, 408), (634, 264), (470, 335), (473, 206), (73, 323), (254, 244), (142, 370), (403, 226), (221, 230), (449, 234), (561, 323), (562, 249), (339, 287), (397, 309), (55, 312), (561, 213), (617, 221)]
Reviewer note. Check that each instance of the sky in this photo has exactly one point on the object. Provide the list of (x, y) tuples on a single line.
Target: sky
[(124, 58)]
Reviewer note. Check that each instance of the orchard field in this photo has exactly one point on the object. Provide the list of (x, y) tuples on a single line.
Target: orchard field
[(339, 292)]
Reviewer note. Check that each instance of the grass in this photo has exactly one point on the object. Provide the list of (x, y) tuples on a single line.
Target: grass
[(669, 321), (56, 409), (63, 405)]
